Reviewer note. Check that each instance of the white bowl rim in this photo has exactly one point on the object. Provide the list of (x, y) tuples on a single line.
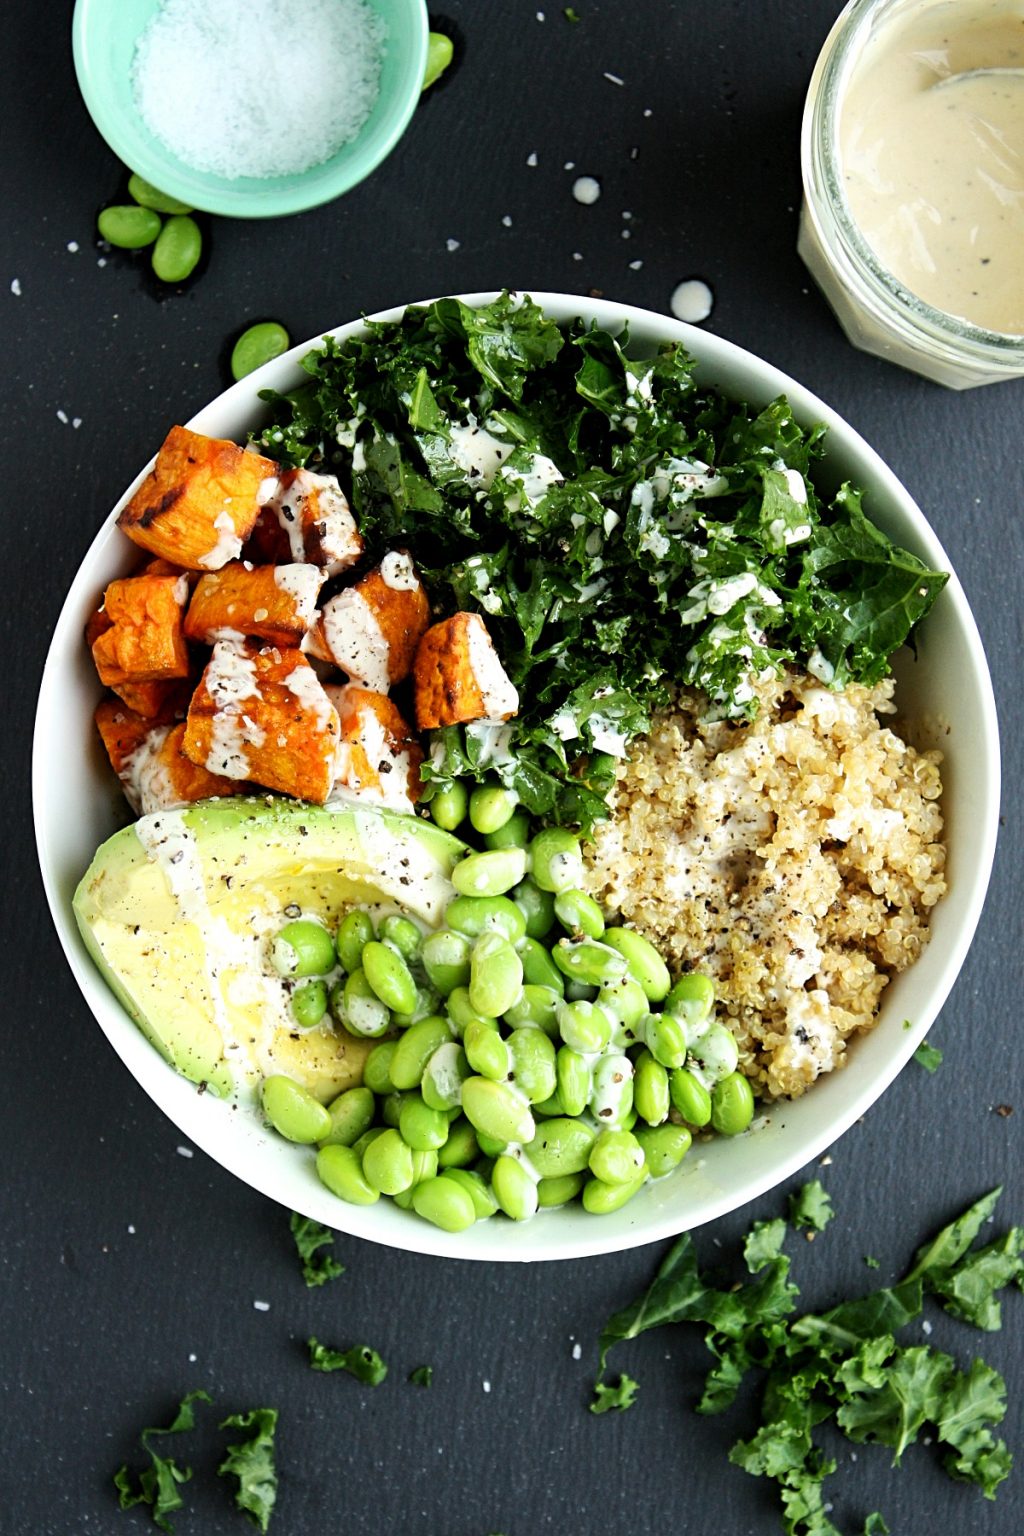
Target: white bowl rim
[(583, 1236)]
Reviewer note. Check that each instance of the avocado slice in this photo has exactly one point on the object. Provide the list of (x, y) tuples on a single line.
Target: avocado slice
[(178, 910)]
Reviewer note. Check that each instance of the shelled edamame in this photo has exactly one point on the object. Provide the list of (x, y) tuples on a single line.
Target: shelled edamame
[(527, 1054)]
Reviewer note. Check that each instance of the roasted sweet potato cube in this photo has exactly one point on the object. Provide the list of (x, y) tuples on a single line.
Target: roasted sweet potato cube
[(201, 501), (150, 761), (145, 641), (97, 624), (123, 731), (274, 602), (458, 675), (313, 513), (379, 755), (260, 713), (187, 781), (268, 544), (372, 629)]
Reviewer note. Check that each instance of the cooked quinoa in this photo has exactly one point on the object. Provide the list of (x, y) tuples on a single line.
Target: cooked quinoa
[(796, 860)]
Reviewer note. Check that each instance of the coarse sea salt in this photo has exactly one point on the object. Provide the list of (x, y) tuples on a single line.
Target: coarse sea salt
[(586, 189), (258, 88)]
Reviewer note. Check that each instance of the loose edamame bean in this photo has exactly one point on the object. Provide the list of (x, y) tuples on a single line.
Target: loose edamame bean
[(690, 1097), (588, 961), (537, 907), (650, 1089), (130, 229), (422, 1128), (377, 1068), (449, 804), (537, 1008), (491, 873), (445, 958), (601, 1199), (309, 1004), (665, 1038), (732, 1105), (579, 913), (550, 1108), (585, 1027), (515, 833), (611, 1098), (664, 1146), (427, 1002), (626, 1001), (574, 1084), (387, 1163), (440, 52), (256, 346), (341, 1169), (497, 1110), (691, 998), (495, 975), (556, 862), (559, 1190), (474, 915), (490, 1146), (302, 948), (402, 934), (533, 1063), (293, 1111), (616, 1157), (360, 1010), (484, 1203), (714, 1050), (513, 1188), (490, 807), (486, 1051), (360, 1146), (444, 1202), (389, 976), (148, 196), (462, 1148), (390, 1107), (461, 1011), (443, 1076), (415, 1049), (354, 933), (178, 248), (351, 1113), (643, 960), (561, 1146), (539, 970)]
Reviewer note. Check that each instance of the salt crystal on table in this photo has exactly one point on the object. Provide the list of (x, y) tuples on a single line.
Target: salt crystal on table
[(635, 266), (586, 190), (72, 246), (16, 287), (507, 220), (692, 301), (452, 245), (262, 1306), (184, 1151), (615, 79), (531, 158)]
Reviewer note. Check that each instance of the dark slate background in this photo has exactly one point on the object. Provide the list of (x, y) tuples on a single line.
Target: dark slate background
[(129, 1271)]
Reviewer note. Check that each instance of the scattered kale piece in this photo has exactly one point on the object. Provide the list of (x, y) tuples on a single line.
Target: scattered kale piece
[(928, 1056), (620, 1396), (158, 1485), (310, 1237), (845, 1365), (621, 529), (871, 1261), (422, 1376), (251, 1461), (811, 1207), (360, 1361)]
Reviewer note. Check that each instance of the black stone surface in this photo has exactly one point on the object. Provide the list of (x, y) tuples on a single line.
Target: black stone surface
[(128, 1273)]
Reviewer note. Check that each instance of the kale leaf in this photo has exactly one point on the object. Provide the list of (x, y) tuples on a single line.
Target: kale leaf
[(811, 1207), (158, 1484), (310, 1236), (360, 1361), (251, 1461)]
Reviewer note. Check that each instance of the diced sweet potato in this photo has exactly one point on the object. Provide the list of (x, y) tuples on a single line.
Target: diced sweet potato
[(313, 513), (123, 731), (372, 629), (268, 544), (260, 713), (149, 759), (458, 675), (277, 603), (97, 624), (145, 640), (379, 755), (190, 781), (201, 501)]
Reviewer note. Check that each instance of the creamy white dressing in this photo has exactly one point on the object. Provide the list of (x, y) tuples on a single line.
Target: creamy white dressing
[(356, 641), (303, 682), (228, 545), (313, 511), (398, 572), (302, 583), (144, 776), (477, 453), (493, 741), (499, 698), (532, 482), (230, 680)]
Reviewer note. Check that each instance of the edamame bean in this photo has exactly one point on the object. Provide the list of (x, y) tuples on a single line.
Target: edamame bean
[(556, 862), (428, 1001), (389, 976), (495, 975), (445, 958), (402, 934), (611, 1097), (561, 1146), (650, 1089), (585, 1027), (390, 1107), (513, 1188), (444, 1202), (422, 1128), (443, 1076), (514, 834), (537, 907), (302, 948), (461, 1148), (309, 1004), (549, 1108), (713, 1051), (354, 933), (360, 1146), (732, 1105), (626, 1001), (148, 196), (601, 1199), (690, 1097), (497, 1110), (559, 1190), (474, 915), (533, 1063), (588, 961), (664, 1146), (424, 1164), (537, 1008), (256, 346), (539, 970), (377, 1068), (574, 1085), (415, 1049), (486, 1051), (484, 1203), (440, 52), (130, 229), (293, 1112), (449, 804), (645, 964), (491, 873), (387, 1163), (691, 998), (490, 1146), (341, 1169), (579, 913), (359, 1008), (665, 1038), (490, 807), (178, 248), (351, 1113), (616, 1157), (462, 1013)]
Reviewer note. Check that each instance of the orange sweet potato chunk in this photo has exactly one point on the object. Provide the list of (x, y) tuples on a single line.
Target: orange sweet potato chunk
[(374, 738), (260, 713), (201, 501), (458, 675), (157, 700), (190, 781), (277, 603), (122, 730), (145, 640), (372, 629)]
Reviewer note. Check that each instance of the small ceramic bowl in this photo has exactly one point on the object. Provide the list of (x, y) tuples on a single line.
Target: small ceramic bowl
[(104, 38)]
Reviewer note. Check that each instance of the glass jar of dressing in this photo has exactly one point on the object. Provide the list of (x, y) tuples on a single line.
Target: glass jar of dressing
[(913, 170)]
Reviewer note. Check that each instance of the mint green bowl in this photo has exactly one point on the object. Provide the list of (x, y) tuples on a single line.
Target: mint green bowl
[(104, 35)]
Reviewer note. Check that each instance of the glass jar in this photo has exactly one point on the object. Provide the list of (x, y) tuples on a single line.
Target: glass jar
[(877, 312)]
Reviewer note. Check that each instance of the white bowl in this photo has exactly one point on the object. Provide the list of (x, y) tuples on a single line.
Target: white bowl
[(945, 695)]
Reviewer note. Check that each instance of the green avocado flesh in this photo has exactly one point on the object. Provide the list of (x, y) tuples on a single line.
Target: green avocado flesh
[(179, 909)]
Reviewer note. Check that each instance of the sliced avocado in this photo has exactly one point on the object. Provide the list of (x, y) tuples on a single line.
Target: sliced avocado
[(177, 911)]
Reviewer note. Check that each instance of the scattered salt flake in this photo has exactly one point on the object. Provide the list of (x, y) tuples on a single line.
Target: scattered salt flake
[(634, 152), (692, 300), (586, 190), (131, 1230), (577, 255), (184, 1151), (192, 1359), (648, 112), (452, 245), (826, 1161), (76, 422), (62, 416), (635, 266), (626, 214), (262, 1306), (16, 287), (570, 165), (540, 15), (577, 1351), (531, 158), (627, 234), (486, 1386), (614, 79), (506, 219), (926, 1326), (853, 1455), (72, 246), (101, 261)]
